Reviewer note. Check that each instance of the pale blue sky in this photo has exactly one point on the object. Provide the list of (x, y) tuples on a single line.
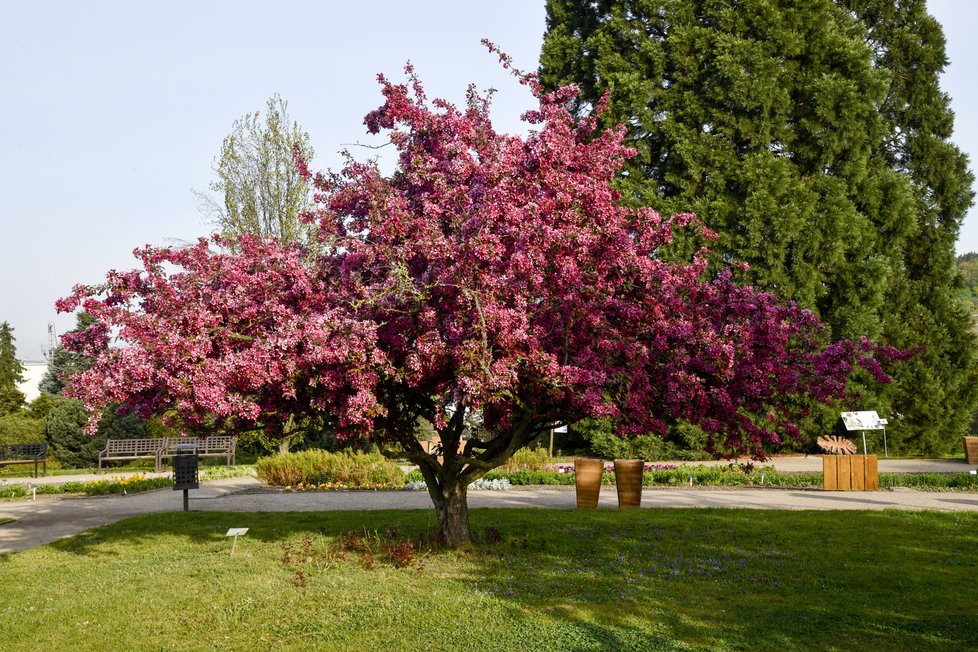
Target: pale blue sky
[(114, 111)]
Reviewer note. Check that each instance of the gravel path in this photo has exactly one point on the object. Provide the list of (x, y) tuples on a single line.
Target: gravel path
[(50, 518)]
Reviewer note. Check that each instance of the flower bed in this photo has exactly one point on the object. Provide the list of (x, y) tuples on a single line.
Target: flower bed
[(340, 486), (115, 485)]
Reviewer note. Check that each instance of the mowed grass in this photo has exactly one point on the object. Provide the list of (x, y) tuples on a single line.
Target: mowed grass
[(535, 580)]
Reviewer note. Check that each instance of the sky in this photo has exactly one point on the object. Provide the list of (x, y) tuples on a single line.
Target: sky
[(113, 112)]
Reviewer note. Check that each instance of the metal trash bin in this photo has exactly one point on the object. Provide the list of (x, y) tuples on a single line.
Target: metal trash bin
[(185, 466)]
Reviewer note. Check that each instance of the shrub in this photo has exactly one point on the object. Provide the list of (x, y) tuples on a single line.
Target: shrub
[(69, 443), (21, 428), (414, 476), (601, 437), (685, 441), (314, 467), (529, 459), (65, 423)]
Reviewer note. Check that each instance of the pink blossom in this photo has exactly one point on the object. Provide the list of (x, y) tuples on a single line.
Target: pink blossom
[(489, 274)]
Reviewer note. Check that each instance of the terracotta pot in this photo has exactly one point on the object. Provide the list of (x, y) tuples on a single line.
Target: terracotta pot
[(971, 450), (628, 478), (587, 474)]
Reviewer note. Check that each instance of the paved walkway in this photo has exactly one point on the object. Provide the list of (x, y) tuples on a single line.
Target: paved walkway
[(49, 518)]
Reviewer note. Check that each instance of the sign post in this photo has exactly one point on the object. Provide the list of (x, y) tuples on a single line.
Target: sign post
[(236, 532), (559, 429), (864, 421)]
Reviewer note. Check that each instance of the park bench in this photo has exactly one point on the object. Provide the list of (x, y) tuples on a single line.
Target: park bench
[(25, 454), (133, 449), (213, 446)]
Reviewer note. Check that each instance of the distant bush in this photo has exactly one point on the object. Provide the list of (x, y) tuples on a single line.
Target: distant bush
[(413, 476), (685, 441), (317, 467), (21, 428), (65, 422), (529, 459)]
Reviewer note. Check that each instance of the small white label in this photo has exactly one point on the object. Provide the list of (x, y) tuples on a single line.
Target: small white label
[(236, 531)]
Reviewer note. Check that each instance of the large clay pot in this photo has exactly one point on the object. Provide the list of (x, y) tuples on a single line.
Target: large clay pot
[(971, 450), (628, 478), (588, 481)]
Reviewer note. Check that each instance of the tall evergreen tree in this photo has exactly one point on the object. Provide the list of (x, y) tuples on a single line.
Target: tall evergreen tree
[(936, 391), (11, 372), (782, 126)]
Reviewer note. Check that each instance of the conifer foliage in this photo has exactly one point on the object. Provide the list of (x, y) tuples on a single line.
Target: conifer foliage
[(814, 139), (63, 364), (11, 372)]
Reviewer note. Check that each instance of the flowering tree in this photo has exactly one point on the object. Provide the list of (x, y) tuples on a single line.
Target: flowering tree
[(489, 274)]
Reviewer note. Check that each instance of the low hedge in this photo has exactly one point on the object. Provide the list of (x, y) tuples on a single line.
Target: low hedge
[(347, 469), (732, 476)]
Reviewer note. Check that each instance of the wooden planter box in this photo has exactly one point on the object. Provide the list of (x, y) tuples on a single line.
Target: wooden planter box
[(971, 450), (850, 473)]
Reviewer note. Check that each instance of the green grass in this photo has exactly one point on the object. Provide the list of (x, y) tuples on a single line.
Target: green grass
[(557, 580)]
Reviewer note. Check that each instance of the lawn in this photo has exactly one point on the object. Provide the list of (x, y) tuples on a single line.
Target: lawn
[(535, 580)]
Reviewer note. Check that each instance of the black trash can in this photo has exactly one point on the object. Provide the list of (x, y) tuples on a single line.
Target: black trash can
[(185, 475)]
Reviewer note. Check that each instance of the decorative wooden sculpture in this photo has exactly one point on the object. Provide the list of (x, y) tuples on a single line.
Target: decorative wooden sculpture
[(836, 445)]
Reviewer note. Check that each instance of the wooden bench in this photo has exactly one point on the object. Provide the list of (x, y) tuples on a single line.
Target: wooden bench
[(133, 449), (213, 446), (25, 454)]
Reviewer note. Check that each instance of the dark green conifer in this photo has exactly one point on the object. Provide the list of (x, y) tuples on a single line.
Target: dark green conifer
[(813, 137), (63, 363), (11, 372)]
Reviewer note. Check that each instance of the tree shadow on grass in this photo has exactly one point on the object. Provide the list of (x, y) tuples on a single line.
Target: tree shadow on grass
[(744, 579), (644, 579), (197, 528)]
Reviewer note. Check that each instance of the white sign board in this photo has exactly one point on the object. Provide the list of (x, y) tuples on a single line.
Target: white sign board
[(862, 421), (236, 532)]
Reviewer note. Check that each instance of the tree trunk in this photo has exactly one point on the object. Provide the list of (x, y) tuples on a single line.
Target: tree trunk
[(452, 507), (283, 446)]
